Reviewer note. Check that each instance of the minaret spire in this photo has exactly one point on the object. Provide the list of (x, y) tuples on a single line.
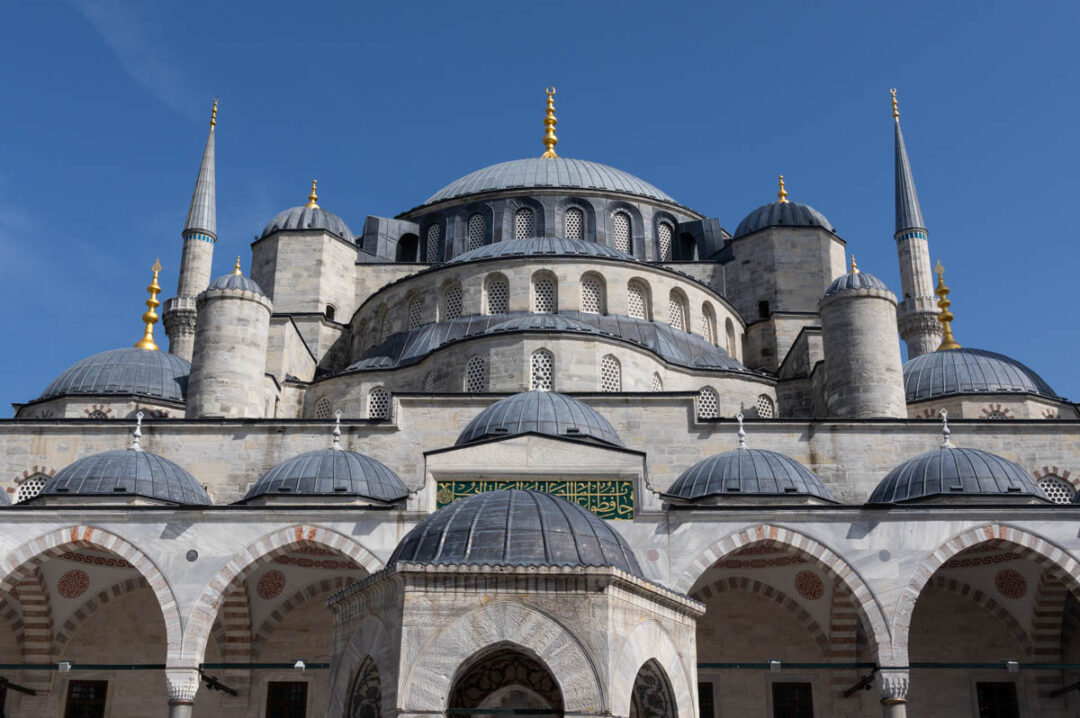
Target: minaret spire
[(202, 214), (917, 315)]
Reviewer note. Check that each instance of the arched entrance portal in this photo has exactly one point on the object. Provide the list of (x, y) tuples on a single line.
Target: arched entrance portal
[(506, 681), (652, 696)]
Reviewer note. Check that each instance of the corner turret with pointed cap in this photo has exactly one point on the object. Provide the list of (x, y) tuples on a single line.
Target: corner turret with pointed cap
[(200, 234), (917, 315)]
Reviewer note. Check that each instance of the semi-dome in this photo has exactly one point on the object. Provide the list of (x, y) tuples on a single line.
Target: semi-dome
[(782, 214), (515, 528), (541, 246), (955, 472), (127, 472), (331, 472), (853, 280), (232, 280), (541, 322), (548, 173), (541, 412), (969, 371), (748, 472), (132, 372), (309, 216)]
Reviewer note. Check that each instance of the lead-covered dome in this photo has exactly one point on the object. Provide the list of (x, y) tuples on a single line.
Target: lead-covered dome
[(782, 214), (331, 472), (127, 472), (305, 217), (854, 280), (236, 281), (748, 472), (541, 246), (540, 412), (129, 372), (969, 371), (956, 472), (515, 528), (544, 173)]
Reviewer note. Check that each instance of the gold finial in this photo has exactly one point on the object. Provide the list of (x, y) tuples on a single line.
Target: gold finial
[(150, 316), (854, 268), (945, 316), (550, 140), (236, 269), (895, 106), (782, 194), (312, 198), (213, 113)]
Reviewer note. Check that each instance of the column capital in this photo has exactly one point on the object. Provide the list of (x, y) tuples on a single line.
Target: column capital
[(183, 684), (893, 684)]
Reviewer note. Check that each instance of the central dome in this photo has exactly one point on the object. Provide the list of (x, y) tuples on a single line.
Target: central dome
[(557, 172)]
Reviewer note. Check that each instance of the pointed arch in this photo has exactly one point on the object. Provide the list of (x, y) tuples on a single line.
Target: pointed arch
[(960, 588), (370, 639), (649, 641), (83, 612), (271, 622)]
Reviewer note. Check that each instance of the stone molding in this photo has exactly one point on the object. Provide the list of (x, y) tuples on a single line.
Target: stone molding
[(893, 684), (183, 684)]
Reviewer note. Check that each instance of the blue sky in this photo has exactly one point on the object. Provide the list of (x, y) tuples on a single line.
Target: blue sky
[(107, 103)]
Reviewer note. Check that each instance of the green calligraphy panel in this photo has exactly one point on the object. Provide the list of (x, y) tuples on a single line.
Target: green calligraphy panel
[(612, 499)]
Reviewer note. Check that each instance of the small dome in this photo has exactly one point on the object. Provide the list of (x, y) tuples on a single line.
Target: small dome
[(330, 472), (541, 412), (515, 528), (237, 281), (855, 280), (955, 472), (550, 246), (304, 217), (782, 214), (743, 472), (545, 173), (541, 322), (127, 472), (138, 372), (969, 371)]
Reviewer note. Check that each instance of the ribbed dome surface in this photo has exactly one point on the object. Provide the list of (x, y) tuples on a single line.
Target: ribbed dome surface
[(236, 281), (969, 371), (782, 214), (954, 472), (127, 472), (542, 322), (558, 172), (515, 528), (748, 472), (304, 217), (540, 246), (542, 412), (855, 280), (331, 472), (139, 372)]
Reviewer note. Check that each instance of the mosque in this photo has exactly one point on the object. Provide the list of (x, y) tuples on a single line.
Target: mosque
[(549, 443)]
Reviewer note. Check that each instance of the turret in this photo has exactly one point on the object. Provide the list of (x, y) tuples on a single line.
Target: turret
[(230, 349), (199, 236), (917, 316), (863, 375)]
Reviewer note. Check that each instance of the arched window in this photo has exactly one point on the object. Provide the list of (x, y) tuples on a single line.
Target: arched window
[(545, 293), (657, 382), (97, 414), (592, 294), (433, 235), (729, 331), (575, 223), (677, 310), (637, 300), (365, 694), (330, 313), (620, 232), (416, 312), (651, 694), (542, 370), (476, 231), (378, 403), (407, 246), (523, 224), (451, 301), (708, 323), (1056, 489), (708, 403), (429, 382), (664, 234), (322, 408), (496, 294), (765, 407), (30, 487), (610, 374), (384, 324), (476, 376)]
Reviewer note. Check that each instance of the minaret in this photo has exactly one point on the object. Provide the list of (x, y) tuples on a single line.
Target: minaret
[(916, 315), (200, 234)]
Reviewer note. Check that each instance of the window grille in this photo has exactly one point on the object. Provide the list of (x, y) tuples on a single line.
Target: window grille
[(676, 312), (664, 233), (432, 244), (1057, 490), (995, 414), (610, 374), (708, 324), (322, 408), (729, 329), (637, 301), (765, 407), (384, 325), (544, 295), (86, 699), (452, 302), (541, 371), (429, 382), (476, 379), (287, 699), (97, 414), (708, 403), (498, 295), (523, 223), (657, 383), (30, 487), (592, 295), (416, 312), (620, 231), (476, 231), (575, 223), (378, 404)]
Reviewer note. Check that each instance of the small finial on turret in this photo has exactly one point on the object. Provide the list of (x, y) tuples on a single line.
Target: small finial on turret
[(337, 430), (945, 316), (946, 443), (213, 114), (782, 194), (742, 432), (550, 140), (312, 198), (137, 434), (854, 268), (236, 268), (895, 105), (150, 317)]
